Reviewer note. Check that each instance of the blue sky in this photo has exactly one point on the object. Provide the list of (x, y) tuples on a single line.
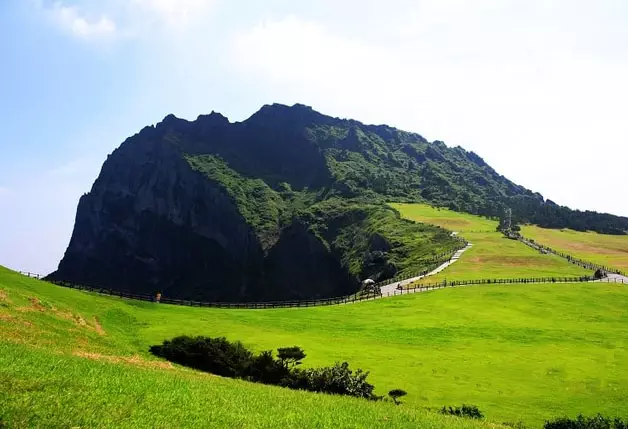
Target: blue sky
[(538, 88)]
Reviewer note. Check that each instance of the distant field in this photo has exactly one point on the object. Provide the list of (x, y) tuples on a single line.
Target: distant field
[(492, 256), (445, 218), (608, 250), (76, 359)]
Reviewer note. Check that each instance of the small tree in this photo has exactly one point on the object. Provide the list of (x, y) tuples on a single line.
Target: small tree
[(290, 357), (395, 394)]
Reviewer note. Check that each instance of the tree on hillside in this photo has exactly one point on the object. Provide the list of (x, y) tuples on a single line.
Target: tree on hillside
[(395, 394)]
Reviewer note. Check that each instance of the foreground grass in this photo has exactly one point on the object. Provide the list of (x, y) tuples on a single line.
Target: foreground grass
[(519, 352), (492, 256), (607, 250), (43, 389)]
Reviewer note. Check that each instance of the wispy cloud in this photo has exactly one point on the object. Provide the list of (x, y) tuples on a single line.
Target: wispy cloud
[(3, 191), (174, 13), (74, 20), (115, 19)]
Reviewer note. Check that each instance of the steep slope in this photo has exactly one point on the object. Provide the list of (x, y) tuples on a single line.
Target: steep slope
[(286, 204)]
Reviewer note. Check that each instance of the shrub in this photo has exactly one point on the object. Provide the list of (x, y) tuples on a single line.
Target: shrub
[(221, 357), (337, 379), (582, 422), (265, 369), (397, 393), (469, 411), (215, 355)]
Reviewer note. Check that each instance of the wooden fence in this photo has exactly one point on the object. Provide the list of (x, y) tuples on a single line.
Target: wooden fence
[(327, 301)]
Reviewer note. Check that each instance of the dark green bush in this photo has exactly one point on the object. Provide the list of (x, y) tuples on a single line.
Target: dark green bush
[(582, 422), (469, 411), (266, 369), (339, 380), (221, 357), (215, 355)]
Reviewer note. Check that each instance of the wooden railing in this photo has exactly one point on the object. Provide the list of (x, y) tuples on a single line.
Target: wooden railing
[(327, 301)]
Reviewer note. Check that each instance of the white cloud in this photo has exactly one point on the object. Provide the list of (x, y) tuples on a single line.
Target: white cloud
[(538, 110), (175, 13), (71, 19), (124, 19)]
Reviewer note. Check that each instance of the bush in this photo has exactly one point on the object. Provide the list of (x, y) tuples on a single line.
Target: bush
[(215, 355), (581, 422), (337, 379), (220, 357), (469, 411), (265, 369)]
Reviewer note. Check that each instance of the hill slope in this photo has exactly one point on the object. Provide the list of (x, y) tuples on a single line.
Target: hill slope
[(493, 256), (70, 359), (286, 204)]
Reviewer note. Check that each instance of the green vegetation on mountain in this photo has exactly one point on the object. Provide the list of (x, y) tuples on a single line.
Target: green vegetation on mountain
[(258, 203), (362, 234)]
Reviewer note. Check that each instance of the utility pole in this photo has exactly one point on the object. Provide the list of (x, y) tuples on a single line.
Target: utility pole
[(507, 219)]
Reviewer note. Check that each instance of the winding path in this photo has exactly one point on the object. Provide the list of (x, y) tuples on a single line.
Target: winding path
[(391, 288)]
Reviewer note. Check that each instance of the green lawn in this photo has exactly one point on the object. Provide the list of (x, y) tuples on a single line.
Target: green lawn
[(492, 256), (603, 249), (70, 358), (445, 218)]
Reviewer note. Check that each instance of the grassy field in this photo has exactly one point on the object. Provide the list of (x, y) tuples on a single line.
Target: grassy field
[(607, 250), (75, 359), (492, 256)]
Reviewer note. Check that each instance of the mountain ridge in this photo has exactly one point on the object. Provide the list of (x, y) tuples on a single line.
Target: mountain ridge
[(287, 204)]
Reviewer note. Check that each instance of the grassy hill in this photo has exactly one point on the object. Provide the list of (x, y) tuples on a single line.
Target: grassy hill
[(608, 250), (70, 358), (492, 256)]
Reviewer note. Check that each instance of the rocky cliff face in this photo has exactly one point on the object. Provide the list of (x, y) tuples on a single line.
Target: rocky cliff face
[(152, 223), (287, 204)]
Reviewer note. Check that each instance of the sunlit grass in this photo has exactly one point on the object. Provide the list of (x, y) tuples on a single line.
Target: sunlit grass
[(603, 249), (518, 352), (492, 256)]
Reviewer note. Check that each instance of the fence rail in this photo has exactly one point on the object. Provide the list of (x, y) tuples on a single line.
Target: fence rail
[(327, 301)]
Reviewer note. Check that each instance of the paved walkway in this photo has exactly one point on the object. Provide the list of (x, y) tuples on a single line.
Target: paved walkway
[(391, 289), (614, 278)]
